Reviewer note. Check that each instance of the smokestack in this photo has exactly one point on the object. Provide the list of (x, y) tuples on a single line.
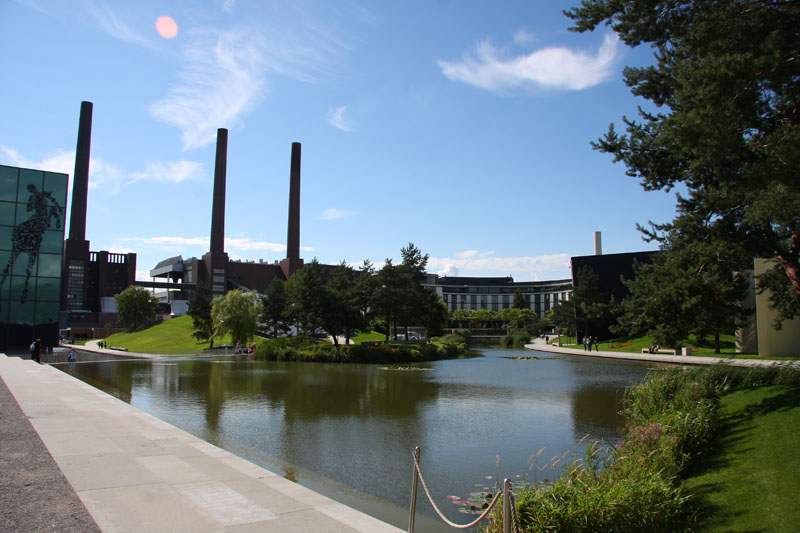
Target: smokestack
[(80, 177), (598, 244), (293, 237), (218, 203)]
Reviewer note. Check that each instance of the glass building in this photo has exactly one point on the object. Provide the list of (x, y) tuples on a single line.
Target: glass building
[(32, 218)]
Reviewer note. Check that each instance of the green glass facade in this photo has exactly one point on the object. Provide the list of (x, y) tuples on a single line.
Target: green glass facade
[(32, 218)]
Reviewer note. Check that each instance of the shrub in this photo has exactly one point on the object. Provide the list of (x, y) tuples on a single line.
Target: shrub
[(517, 338), (635, 485)]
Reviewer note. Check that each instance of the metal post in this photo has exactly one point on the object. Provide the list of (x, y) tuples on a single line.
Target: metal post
[(506, 506), (413, 510)]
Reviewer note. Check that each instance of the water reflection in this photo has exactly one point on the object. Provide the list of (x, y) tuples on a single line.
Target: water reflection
[(348, 430)]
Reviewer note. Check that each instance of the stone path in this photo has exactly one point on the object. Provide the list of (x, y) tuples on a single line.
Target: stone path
[(73, 456), (542, 346)]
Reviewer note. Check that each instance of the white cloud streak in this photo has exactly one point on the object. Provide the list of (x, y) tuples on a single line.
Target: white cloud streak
[(222, 79), (554, 67), (109, 22), (337, 119), (172, 171), (232, 244), (334, 214), (534, 267), (106, 177)]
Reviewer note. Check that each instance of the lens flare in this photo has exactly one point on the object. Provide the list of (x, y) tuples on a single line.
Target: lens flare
[(166, 27)]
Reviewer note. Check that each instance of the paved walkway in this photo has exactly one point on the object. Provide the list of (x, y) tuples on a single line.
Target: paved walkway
[(542, 346), (73, 456)]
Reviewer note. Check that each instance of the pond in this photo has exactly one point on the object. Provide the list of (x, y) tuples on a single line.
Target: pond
[(348, 431)]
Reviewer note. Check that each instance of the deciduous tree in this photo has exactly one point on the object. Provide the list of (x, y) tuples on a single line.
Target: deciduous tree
[(135, 305), (235, 314)]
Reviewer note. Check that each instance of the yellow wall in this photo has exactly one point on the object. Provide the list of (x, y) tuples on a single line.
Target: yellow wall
[(771, 343)]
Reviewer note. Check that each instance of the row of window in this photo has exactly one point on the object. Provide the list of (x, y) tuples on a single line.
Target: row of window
[(498, 290)]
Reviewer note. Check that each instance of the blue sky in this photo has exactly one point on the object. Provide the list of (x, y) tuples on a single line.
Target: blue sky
[(461, 126)]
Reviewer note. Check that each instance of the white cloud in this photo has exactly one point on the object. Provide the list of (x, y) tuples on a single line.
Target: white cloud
[(554, 67), (112, 24), (167, 241), (523, 37), (334, 214), (222, 79), (172, 171), (60, 161), (337, 119), (245, 244), (534, 267), (103, 176), (449, 270), (224, 73)]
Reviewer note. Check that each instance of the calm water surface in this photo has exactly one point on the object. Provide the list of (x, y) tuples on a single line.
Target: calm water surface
[(348, 431)]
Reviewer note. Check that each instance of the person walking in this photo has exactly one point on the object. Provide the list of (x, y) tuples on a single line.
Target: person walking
[(586, 343), (596, 344), (36, 351)]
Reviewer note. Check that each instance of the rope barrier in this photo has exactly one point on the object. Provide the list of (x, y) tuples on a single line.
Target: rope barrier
[(475, 522)]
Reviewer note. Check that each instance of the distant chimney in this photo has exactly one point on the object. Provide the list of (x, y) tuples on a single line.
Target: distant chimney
[(293, 263), (293, 236), (80, 177), (598, 244), (218, 203)]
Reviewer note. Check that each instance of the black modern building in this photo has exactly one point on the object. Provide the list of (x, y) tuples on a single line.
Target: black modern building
[(31, 235)]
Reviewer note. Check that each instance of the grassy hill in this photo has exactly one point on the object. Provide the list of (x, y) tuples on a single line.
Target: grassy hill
[(752, 481), (172, 336)]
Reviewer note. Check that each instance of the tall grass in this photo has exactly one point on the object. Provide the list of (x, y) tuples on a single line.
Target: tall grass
[(635, 484)]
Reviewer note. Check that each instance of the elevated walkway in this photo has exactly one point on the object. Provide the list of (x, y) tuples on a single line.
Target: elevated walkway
[(135, 473)]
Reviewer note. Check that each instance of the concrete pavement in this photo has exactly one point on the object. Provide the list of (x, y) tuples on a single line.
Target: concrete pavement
[(133, 472)]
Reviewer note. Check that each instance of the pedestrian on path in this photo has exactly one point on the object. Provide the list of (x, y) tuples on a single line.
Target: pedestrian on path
[(596, 344), (36, 350)]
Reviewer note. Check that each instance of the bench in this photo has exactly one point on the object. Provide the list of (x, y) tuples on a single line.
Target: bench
[(117, 348), (670, 351)]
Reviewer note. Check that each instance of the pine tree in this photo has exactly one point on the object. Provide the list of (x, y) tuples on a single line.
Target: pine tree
[(725, 121)]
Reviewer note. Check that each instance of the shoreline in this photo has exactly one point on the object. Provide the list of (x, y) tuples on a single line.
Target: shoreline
[(540, 345)]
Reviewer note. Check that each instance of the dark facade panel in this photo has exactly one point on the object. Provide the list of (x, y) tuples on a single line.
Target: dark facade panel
[(610, 269), (32, 221)]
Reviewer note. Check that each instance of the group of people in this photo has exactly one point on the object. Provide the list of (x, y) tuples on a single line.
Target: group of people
[(244, 349), (588, 342), (36, 352)]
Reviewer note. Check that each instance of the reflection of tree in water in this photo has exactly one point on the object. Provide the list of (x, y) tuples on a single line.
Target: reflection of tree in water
[(307, 392), (27, 237), (594, 408)]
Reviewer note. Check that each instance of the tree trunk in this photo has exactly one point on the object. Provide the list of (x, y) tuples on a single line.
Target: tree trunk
[(716, 343)]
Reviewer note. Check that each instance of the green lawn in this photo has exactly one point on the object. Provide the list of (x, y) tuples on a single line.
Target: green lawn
[(752, 482), (370, 336), (172, 336), (700, 347)]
